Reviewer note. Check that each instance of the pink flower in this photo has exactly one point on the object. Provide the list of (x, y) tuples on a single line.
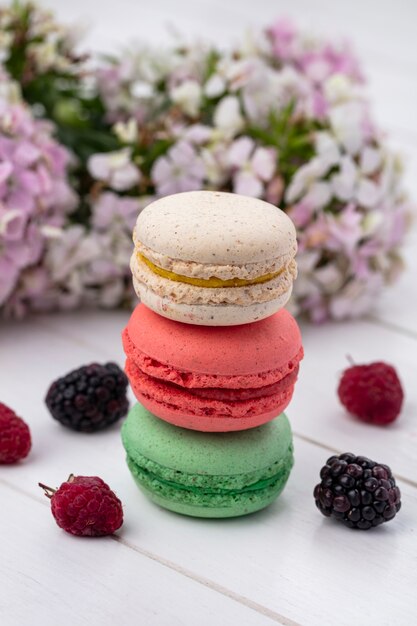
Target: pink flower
[(111, 210), (252, 166), (317, 308), (315, 58), (340, 184), (12, 224), (319, 104), (34, 192), (180, 170), (344, 229), (9, 273), (315, 235), (301, 213), (324, 62), (283, 34), (357, 298), (363, 257), (6, 168)]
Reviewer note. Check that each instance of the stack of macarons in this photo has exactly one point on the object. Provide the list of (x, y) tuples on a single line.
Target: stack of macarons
[(212, 356)]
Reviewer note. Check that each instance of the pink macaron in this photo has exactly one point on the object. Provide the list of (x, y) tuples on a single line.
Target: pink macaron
[(214, 379)]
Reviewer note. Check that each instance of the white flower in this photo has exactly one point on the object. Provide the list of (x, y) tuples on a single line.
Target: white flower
[(343, 183), (188, 97), (214, 158), (291, 85), (9, 91), (349, 184), (126, 132), (327, 147), (51, 232), (305, 177), (111, 294), (338, 89), (356, 298), (227, 116), (236, 73), (114, 168), (45, 54), (74, 248), (305, 285), (371, 222), (254, 166), (367, 193), (180, 170), (255, 44), (329, 277), (215, 86), (140, 89), (346, 121), (87, 268), (261, 93), (370, 160), (197, 134), (6, 40), (318, 195)]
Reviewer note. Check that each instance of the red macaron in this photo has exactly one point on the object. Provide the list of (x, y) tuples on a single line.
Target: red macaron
[(216, 379)]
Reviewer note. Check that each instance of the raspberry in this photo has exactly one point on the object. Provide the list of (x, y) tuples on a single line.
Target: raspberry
[(89, 398), (372, 392), (358, 492), (85, 506), (15, 440)]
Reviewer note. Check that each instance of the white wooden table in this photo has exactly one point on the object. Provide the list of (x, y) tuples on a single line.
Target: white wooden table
[(287, 564)]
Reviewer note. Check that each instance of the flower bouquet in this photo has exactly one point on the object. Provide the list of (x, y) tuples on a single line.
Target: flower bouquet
[(282, 117)]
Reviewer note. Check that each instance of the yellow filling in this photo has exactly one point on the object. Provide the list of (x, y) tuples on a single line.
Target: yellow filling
[(212, 282)]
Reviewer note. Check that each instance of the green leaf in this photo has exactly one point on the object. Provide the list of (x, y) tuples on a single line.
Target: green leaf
[(149, 154), (211, 64)]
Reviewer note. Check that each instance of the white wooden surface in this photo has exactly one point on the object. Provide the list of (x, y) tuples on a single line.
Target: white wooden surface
[(287, 564)]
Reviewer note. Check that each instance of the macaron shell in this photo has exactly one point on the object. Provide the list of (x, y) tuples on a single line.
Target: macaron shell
[(187, 411), (228, 475), (207, 314), (237, 508), (207, 424), (216, 227), (193, 452), (236, 350), (189, 379)]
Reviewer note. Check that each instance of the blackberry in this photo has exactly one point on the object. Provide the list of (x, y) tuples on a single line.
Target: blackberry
[(89, 398), (358, 492)]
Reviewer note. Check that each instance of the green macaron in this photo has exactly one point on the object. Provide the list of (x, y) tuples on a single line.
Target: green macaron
[(208, 474)]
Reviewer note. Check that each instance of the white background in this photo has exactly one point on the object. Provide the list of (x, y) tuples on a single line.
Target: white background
[(287, 564)]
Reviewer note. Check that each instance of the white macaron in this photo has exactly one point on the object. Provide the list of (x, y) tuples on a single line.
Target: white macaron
[(213, 258)]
